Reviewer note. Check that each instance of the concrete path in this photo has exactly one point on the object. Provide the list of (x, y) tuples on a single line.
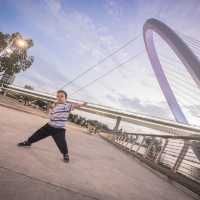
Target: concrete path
[(97, 170)]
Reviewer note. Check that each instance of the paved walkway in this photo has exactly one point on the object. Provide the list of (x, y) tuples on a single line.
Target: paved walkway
[(97, 169), (16, 105)]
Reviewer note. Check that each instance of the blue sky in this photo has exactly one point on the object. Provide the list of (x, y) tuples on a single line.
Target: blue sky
[(70, 36)]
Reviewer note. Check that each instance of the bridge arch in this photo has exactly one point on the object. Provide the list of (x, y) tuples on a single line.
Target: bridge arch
[(183, 52)]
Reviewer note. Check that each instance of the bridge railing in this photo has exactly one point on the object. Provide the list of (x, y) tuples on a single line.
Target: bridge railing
[(178, 157), (141, 120)]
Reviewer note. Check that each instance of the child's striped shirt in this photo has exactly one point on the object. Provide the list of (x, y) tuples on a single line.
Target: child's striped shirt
[(59, 115)]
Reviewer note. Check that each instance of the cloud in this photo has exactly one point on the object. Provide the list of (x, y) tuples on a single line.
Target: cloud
[(54, 5), (194, 110), (111, 98), (113, 8), (159, 110), (72, 35)]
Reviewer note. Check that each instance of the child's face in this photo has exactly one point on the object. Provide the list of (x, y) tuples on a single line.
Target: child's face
[(61, 97)]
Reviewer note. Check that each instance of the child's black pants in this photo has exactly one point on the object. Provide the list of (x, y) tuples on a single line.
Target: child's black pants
[(58, 135)]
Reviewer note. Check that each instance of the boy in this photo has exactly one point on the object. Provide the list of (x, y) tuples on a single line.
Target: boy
[(56, 125)]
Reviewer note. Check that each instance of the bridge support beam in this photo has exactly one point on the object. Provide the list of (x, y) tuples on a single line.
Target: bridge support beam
[(116, 128)]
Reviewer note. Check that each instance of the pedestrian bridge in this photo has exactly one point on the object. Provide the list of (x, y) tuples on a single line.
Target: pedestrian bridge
[(97, 170)]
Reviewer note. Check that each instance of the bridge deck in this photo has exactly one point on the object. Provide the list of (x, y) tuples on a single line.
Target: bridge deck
[(97, 169)]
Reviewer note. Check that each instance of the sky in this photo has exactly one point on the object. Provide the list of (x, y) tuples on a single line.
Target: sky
[(71, 35)]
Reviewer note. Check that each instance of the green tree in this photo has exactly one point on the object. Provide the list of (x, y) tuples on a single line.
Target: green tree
[(17, 59), (3, 40), (29, 87)]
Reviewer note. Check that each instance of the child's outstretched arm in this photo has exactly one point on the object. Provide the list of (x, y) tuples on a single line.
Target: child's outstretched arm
[(78, 105)]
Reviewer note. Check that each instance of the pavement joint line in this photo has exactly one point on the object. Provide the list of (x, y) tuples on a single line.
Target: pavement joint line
[(48, 183)]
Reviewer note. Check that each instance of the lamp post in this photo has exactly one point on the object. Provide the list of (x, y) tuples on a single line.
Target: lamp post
[(21, 43), (16, 44)]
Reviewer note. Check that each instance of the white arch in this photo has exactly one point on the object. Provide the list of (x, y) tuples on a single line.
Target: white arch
[(182, 51)]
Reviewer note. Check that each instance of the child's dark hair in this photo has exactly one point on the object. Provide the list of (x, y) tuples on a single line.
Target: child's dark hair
[(62, 91)]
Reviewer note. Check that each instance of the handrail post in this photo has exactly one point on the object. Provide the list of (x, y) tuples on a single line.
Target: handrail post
[(125, 138), (121, 139), (133, 142), (181, 156), (128, 139), (4, 91), (143, 137), (148, 149), (157, 160)]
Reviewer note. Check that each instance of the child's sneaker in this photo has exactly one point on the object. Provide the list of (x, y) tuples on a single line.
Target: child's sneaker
[(66, 157), (24, 144)]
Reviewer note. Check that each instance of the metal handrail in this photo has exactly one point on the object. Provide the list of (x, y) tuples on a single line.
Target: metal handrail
[(190, 137), (163, 125), (156, 151)]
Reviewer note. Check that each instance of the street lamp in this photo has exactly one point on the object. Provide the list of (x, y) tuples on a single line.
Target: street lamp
[(17, 43), (21, 43)]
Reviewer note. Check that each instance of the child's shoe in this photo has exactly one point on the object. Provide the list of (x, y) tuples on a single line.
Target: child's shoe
[(66, 158), (24, 144)]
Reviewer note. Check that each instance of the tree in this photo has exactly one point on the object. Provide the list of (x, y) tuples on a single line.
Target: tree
[(3, 40), (29, 87), (16, 60)]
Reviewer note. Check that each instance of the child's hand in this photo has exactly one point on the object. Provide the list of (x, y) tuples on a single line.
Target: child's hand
[(52, 105), (84, 104)]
